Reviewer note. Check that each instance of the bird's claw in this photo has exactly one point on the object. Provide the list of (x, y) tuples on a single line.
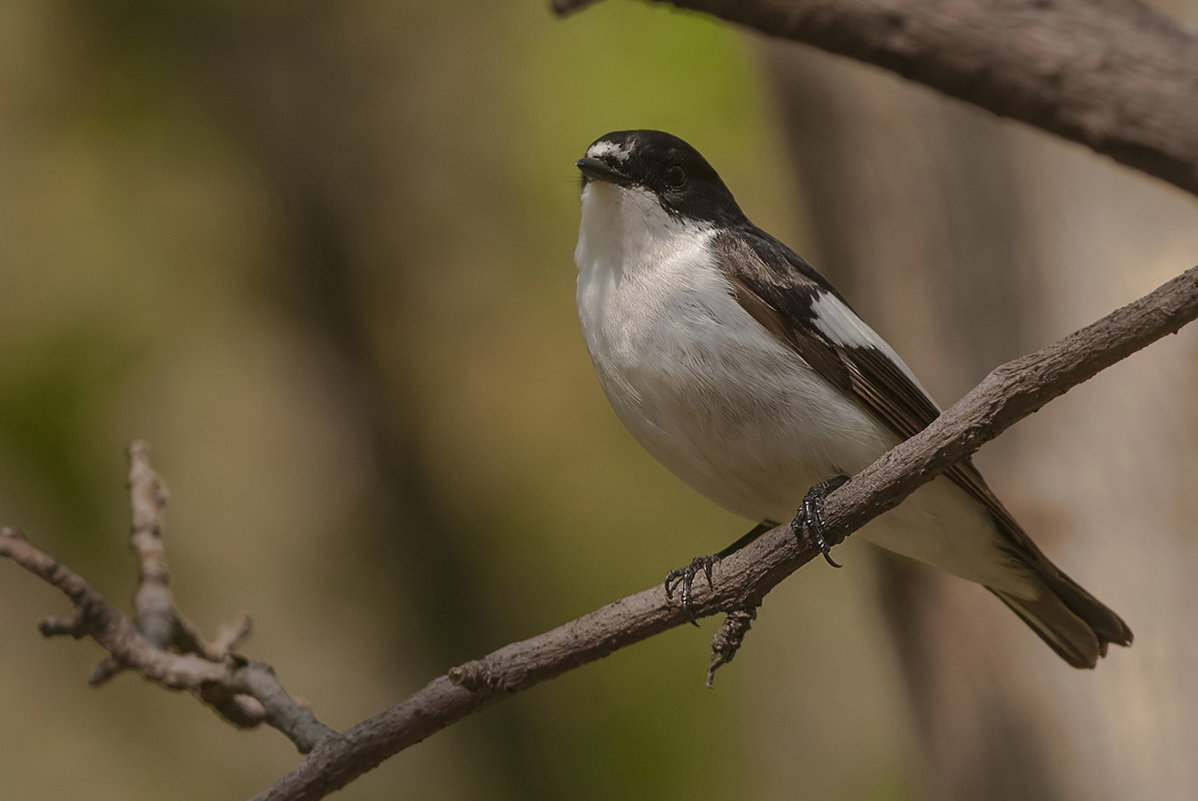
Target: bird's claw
[(811, 519), (683, 577)]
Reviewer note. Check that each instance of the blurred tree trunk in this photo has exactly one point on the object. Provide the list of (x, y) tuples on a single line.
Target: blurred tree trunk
[(318, 99), (966, 241)]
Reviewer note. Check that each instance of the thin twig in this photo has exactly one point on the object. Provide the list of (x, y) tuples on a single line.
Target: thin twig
[(153, 604), (728, 639), (244, 693)]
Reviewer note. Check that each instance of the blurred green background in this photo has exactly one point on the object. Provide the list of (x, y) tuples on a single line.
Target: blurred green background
[(320, 256)]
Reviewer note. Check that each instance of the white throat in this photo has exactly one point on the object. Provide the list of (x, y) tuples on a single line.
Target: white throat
[(637, 266), (623, 227)]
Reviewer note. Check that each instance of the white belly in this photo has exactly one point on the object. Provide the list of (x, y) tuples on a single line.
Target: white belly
[(672, 350)]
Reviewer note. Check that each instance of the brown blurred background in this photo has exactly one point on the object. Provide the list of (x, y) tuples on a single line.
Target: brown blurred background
[(320, 256)]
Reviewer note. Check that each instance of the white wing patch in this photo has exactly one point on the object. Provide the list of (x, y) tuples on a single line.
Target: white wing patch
[(838, 323)]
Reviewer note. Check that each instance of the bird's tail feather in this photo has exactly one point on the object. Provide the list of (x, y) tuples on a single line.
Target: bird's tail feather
[(1070, 620)]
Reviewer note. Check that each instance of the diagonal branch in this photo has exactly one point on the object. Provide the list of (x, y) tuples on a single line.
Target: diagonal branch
[(247, 693), (1011, 392), (1116, 76)]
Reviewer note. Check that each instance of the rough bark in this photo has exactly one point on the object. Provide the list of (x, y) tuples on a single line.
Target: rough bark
[(1116, 76)]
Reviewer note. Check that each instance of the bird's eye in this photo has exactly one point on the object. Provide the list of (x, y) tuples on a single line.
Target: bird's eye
[(675, 177)]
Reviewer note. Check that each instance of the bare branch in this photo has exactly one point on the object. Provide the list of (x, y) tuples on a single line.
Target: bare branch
[(244, 693), (1116, 76), (1011, 392), (153, 604)]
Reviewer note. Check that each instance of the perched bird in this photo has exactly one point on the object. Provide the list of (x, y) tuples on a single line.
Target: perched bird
[(739, 368)]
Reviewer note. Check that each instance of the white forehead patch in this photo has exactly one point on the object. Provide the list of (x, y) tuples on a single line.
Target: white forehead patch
[(605, 148)]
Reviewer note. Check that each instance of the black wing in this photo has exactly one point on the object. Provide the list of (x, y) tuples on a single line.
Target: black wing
[(790, 299), (786, 295)]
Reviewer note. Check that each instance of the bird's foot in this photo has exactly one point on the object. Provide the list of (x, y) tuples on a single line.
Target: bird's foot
[(683, 577), (810, 517)]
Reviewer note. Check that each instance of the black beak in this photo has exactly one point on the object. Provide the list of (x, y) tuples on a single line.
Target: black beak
[(597, 170)]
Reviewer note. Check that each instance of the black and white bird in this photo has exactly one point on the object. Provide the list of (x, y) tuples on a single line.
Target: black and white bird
[(739, 368)]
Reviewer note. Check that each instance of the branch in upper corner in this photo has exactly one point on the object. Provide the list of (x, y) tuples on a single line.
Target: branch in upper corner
[(1118, 77), (1010, 393), (244, 693)]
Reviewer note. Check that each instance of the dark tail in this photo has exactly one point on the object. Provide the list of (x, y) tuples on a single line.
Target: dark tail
[(1073, 622)]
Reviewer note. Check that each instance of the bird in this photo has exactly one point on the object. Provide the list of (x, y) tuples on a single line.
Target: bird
[(739, 367)]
